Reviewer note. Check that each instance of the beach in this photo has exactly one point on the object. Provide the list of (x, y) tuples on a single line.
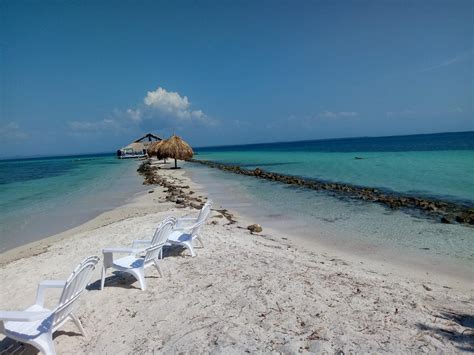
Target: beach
[(259, 293)]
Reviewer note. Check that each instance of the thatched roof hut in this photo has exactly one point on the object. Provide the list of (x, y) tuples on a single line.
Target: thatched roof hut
[(139, 147), (174, 147), (153, 147)]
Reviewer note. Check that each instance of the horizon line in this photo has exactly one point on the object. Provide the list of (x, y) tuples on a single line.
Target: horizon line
[(25, 157)]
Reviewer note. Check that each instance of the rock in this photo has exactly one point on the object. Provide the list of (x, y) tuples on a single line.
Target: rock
[(151, 191), (257, 172), (196, 205), (427, 288), (445, 220), (255, 228)]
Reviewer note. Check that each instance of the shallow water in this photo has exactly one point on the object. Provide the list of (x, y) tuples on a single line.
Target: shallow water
[(355, 226), (440, 166), (42, 197)]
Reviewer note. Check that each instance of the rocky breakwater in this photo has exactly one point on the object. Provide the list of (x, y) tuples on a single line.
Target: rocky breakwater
[(442, 211), (175, 192)]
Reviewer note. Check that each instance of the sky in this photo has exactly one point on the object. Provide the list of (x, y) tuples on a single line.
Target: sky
[(92, 76)]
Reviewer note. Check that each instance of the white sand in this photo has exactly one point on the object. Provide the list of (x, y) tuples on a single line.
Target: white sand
[(242, 293)]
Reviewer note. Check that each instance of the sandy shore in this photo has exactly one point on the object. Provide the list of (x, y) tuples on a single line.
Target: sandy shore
[(242, 293)]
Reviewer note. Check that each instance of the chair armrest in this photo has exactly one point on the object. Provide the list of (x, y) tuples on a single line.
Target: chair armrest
[(43, 285), (120, 250), (22, 316), (109, 254)]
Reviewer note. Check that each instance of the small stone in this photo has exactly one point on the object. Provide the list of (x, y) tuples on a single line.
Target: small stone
[(255, 228)]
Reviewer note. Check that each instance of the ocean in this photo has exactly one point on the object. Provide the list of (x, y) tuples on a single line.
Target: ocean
[(40, 197), (436, 166), (44, 196)]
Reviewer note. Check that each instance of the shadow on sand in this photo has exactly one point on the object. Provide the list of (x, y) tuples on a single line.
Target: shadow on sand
[(463, 340)]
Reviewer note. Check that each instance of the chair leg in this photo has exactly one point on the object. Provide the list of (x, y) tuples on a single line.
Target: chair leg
[(157, 265), (140, 276), (45, 343), (102, 281), (78, 324), (189, 246), (200, 241)]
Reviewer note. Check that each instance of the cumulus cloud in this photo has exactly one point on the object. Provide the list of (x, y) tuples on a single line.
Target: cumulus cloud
[(166, 106), (135, 115), (11, 131), (159, 109)]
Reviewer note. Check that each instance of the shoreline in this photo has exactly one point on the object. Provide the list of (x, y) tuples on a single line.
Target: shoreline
[(66, 201), (378, 257), (119, 213), (442, 211), (272, 294)]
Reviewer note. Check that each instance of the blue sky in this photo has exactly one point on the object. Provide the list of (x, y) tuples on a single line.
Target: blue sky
[(91, 76)]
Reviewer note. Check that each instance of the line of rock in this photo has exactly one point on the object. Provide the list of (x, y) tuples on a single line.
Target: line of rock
[(174, 192), (442, 211)]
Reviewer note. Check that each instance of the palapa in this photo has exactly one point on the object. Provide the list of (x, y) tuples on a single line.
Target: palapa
[(174, 147)]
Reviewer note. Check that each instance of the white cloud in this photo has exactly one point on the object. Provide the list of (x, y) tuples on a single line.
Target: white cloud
[(11, 131), (444, 64), (460, 57), (135, 115), (87, 126), (159, 109), (339, 114), (161, 103)]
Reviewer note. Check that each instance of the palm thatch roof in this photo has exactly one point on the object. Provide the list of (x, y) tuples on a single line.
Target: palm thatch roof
[(174, 147), (134, 147), (153, 147)]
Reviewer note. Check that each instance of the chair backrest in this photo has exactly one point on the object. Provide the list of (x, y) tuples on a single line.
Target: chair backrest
[(205, 211), (75, 285), (163, 231), (159, 239), (197, 227)]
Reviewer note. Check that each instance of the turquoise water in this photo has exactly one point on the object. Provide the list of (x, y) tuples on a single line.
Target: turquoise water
[(444, 174), (444, 169), (40, 197)]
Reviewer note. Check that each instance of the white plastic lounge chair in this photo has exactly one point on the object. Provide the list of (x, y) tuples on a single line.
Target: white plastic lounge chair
[(183, 230), (134, 263), (186, 224), (188, 229), (36, 324)]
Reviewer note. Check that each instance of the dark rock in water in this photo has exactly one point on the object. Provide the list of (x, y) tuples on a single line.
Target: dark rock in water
[(255, 228), (467, 217), (442, 211), (358, 158)]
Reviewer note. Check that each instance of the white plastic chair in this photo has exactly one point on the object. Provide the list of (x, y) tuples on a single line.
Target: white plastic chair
[(36, 324), (186, 224), (188, 229), (134, 263)]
